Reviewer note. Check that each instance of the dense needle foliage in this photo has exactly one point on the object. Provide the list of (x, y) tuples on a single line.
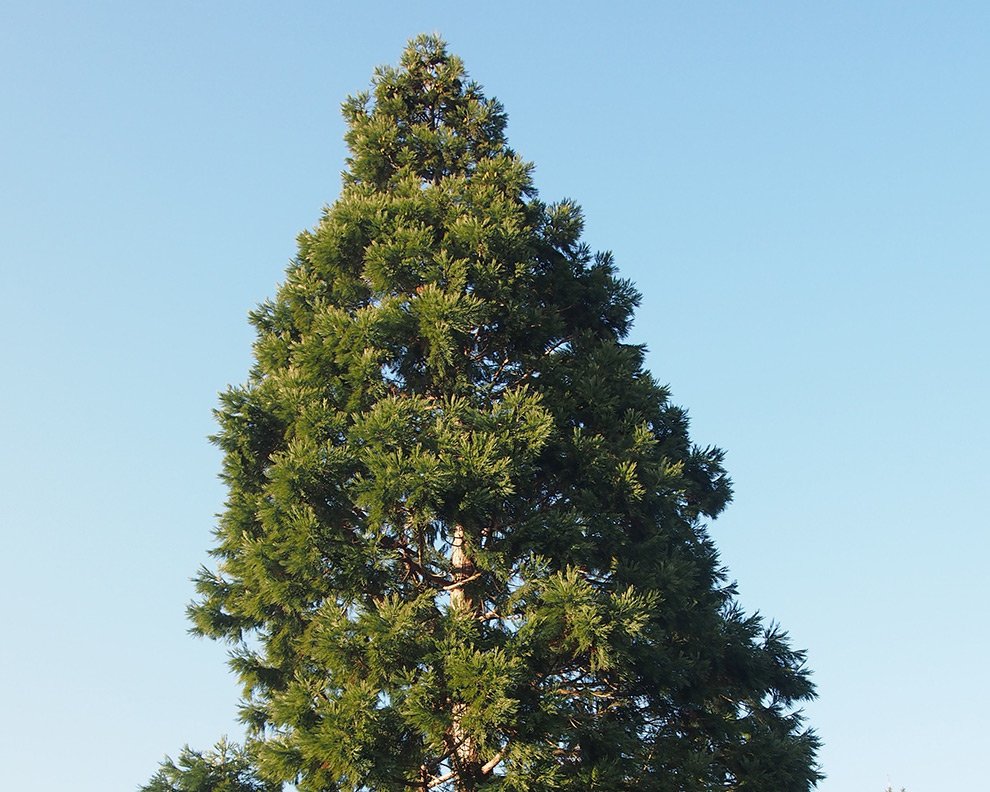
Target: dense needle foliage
[(464, 545), (224, 769)]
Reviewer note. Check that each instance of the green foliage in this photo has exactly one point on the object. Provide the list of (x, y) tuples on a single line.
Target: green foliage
[(464, 545), (224, 769)]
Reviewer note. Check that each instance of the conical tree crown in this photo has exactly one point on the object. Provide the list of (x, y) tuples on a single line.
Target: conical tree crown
[(427, 120), (464, 545)]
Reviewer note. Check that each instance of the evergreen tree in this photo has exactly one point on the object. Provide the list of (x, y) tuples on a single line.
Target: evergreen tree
[(464, 545), (226, 768)]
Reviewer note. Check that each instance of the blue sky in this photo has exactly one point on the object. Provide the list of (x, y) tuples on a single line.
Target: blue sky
[(800, 190)]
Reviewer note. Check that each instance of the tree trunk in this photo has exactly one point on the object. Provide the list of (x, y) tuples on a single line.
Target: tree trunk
[(466, 759)]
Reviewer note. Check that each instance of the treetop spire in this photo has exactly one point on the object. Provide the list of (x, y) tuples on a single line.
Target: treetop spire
[(423, 118)]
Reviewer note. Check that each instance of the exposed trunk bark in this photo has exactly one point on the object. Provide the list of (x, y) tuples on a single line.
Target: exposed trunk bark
[(466, 758), (462, 571)]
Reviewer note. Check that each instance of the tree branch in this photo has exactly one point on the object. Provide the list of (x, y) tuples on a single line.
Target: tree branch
[(492, 763), (462, 582)]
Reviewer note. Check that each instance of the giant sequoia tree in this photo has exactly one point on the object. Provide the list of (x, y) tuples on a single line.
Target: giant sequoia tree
[(464, 545)]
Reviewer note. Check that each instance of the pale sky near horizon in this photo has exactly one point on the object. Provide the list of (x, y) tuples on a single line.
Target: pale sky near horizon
[(800, 190)]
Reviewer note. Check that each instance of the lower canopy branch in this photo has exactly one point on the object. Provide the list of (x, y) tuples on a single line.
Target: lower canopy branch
[(492, 763), (462, 582), (486, 769)]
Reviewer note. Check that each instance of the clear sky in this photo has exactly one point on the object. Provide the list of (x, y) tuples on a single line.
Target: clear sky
[(799, 189)]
